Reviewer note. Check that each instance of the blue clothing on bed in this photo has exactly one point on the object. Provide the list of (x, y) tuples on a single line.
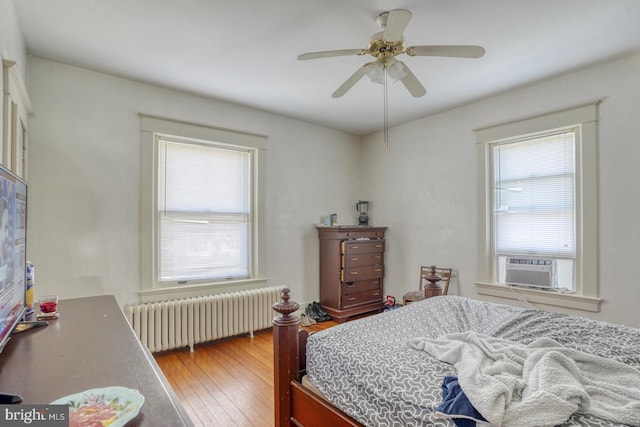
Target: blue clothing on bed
[(456, 406)]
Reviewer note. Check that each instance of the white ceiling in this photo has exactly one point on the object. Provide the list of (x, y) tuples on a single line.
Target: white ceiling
[(244, 51)]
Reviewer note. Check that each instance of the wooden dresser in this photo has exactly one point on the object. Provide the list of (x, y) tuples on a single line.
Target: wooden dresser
[(351, 270)]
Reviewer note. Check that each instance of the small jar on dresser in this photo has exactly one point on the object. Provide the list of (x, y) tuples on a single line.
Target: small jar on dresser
[(351, 270)]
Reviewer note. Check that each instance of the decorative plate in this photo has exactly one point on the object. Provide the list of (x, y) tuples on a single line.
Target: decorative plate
[(108, 406)]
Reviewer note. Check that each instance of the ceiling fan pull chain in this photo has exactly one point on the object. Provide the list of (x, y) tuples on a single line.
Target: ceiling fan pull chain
[(386, 113)]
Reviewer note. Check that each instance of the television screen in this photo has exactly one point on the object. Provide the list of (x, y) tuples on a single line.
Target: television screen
[(13, 252)]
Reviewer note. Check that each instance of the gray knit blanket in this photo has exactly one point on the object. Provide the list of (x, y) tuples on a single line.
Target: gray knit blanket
[(509, 383)]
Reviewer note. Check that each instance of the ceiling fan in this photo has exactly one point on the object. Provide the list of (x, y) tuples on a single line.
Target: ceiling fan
[(385, 46)]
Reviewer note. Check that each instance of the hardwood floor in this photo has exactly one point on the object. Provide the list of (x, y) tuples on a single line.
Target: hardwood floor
[(227, 382)]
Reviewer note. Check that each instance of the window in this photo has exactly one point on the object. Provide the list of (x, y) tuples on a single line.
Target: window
[(537, 198), (201, 204), (204, 212), (534, 210)]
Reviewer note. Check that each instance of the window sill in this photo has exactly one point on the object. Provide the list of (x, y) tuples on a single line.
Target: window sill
[(176, 292), (559, 299)]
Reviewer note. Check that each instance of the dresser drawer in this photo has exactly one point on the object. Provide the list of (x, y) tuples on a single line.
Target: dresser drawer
[(361, 260), (352, 300), (364, 234), (352, 233), (350, 288), (362, 273), (355, 247)]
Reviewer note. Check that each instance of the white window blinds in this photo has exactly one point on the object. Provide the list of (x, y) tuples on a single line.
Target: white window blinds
[(534, 195), (204, 211)]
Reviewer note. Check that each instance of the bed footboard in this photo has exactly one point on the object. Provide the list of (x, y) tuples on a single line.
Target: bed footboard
[(295, 405)]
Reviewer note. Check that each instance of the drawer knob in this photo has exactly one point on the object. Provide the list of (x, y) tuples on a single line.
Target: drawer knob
[(353, 259), (352, 299), (353, 273)]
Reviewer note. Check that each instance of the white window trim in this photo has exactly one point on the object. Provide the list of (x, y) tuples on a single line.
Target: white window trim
[(586, 296), (151, 127), (16, 111)]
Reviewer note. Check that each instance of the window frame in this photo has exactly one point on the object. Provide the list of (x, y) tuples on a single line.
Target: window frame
[(153, 129), (16, 111), (584, 119)]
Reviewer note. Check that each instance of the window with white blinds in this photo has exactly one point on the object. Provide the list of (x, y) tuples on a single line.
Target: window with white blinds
[(204, 212), (202, 199), (538, 200), (534, 195)]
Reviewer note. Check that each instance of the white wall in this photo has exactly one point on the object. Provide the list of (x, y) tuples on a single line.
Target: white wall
[(84, 180), (424, 188), (11, 46), (11, 41)]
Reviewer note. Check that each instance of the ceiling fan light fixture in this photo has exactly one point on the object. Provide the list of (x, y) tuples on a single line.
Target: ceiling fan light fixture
[(375, 71), (395, 69)]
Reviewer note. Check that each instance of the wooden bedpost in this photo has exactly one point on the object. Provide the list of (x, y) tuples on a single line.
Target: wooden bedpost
[(285, 356)]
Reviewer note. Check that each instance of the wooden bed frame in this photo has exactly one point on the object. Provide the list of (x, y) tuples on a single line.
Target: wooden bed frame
[(296, 405)]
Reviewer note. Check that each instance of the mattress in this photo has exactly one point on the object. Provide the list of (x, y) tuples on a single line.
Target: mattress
[(368, 370)]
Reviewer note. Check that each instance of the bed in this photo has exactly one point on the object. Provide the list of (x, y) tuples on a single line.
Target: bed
[(390, 369)]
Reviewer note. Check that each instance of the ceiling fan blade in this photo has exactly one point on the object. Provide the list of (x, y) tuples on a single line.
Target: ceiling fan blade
[(348, 84), (330, 53), (410, 81), (451, 51), (397, 22)]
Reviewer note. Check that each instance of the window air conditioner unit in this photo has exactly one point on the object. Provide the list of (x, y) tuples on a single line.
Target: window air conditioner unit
[(534, 272)]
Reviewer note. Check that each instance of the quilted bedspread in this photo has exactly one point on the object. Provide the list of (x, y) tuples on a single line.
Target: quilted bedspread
[(368, 369)]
